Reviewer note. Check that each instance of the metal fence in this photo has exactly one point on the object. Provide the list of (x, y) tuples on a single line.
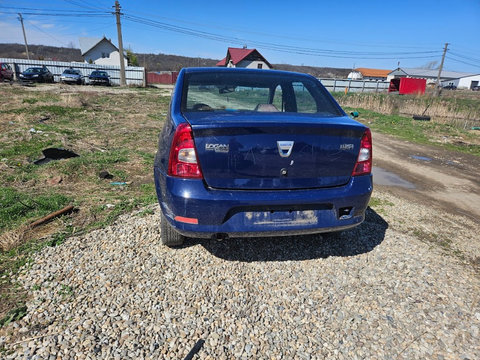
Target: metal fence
[(334, 85), (134, 75)]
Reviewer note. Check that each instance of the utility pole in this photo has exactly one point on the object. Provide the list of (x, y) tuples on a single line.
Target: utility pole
[(440, 69), (120, 44), (24, 35)]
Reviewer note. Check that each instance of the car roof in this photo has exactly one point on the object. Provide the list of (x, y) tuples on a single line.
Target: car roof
[(268, 72)]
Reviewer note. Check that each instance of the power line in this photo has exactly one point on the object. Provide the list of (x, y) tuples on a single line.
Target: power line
[(83, 4), (282, 36), (283, 48), (16, 8), (60, 14), (463, 62), (46, 33), (464, 57)]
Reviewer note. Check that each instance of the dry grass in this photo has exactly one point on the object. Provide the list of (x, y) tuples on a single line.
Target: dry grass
[(12, 238), (458, 108)]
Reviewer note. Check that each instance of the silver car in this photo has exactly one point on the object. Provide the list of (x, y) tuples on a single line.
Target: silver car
[(72, 76)]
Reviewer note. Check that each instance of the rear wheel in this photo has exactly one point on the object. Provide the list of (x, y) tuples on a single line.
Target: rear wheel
[(169, 236)]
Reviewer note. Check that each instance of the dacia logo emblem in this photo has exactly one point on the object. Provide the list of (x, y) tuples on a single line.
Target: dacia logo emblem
[(285, 148)]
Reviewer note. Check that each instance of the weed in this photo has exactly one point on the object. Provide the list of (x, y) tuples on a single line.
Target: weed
[(16, 206), (379, 204), (147, 157), (29, 101), (65, 290), (30, 149), (145, 212), (60, 237), (44, 109), (14, 315)]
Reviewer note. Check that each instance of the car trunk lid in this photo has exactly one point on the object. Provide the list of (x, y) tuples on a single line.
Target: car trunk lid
[(275, 151)]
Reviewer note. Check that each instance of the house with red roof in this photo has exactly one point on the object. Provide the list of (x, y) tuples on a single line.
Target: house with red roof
[(368, 74), (244, 58)]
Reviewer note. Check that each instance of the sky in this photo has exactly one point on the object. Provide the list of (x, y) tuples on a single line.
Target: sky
[(340, 33)]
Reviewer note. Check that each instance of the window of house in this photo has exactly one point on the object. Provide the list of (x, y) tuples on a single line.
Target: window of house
[(259, 66)]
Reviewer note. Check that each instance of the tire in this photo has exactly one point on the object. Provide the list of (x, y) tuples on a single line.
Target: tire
[(169, 237)]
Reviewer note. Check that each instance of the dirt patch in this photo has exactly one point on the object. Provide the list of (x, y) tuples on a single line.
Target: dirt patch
[(449, 180), (443, 207)]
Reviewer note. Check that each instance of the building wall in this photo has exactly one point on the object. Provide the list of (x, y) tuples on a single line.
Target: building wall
[(462, 83), (104, 54), (466, 82), (355, 75), (252, 64)]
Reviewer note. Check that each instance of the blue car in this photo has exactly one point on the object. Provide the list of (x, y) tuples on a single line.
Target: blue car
[(247, 152), (99, 77)]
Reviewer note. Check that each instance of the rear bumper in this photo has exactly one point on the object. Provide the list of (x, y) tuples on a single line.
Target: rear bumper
[(70, 80), (99, 81), (203, 212)]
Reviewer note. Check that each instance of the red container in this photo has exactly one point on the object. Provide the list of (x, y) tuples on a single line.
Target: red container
[(408, 86)]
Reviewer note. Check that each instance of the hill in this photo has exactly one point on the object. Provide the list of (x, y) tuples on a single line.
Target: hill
[(153, 62)]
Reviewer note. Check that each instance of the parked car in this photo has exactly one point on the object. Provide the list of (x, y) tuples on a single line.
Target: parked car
[(99, 77), (6, 72), (476, 88), (450, 87), (72, 76), (37, 74), (247, 152)]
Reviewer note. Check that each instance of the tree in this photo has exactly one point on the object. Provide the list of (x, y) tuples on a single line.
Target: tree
[(132, 58)]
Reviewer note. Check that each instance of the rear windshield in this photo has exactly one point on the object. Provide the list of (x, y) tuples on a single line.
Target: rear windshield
[(259, 92), (99, 73), (33, 70), (72, 72)]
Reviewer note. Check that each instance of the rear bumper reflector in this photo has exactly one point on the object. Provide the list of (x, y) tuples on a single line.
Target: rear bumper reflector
[(186, 220)]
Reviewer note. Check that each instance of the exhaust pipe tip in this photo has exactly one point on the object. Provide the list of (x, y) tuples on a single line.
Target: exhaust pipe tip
[(220, 236)]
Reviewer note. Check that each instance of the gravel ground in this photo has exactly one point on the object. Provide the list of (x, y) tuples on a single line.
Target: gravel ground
[(378, 292)]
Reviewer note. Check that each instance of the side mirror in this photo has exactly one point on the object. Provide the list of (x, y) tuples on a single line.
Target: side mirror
[(354, 114)]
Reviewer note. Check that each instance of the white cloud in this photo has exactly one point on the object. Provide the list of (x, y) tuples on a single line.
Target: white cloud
[(47, 26)]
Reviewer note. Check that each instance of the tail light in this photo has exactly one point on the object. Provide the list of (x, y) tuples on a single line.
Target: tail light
[(364, 161), (183, 156)]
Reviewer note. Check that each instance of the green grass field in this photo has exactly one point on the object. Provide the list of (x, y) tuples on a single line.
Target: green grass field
[(112, 129)]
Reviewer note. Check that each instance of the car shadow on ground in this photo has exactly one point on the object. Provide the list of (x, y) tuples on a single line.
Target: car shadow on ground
[(359, 240)]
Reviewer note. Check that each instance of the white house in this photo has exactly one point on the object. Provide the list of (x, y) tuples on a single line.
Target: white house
[(465, 82), (429, 74), (245, 58), (100, 51)]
